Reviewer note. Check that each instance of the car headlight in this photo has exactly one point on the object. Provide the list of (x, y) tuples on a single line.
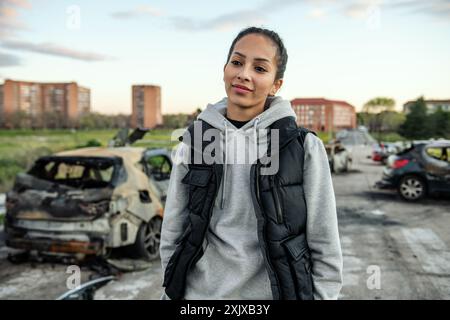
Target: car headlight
[(118, 205), (96, 208)]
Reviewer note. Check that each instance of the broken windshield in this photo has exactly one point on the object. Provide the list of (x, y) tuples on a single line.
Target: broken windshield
[(80, 172)]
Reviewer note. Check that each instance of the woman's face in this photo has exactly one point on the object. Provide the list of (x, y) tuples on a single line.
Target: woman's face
[(252, 65)]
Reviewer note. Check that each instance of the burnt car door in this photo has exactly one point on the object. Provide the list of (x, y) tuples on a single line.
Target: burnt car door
[(158, 168), (437, 167)]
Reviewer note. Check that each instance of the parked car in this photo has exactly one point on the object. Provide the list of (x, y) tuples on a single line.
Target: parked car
[(89, 201), (381, 151), (422, 169), (363, 128), (339, 158)]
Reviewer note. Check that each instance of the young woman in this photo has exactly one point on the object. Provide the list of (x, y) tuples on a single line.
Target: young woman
[(232, 230)]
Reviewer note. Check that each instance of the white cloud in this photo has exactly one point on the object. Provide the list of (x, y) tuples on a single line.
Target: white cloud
[(143, 10), (359, 9), (54, 50), (9, 16), (317, 13), (221, 23), (9, 60)]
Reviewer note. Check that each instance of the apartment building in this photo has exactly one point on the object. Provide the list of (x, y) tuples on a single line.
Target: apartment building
[(37, 99), (319, 114), (146, 106)]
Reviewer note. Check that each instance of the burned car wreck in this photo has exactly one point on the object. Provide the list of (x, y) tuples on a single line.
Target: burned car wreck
[(89, 201)]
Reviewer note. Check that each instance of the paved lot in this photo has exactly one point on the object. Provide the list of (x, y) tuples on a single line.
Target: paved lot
[(408, 243), (392, 249)]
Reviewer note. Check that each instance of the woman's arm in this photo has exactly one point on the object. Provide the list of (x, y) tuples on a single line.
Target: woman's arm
[(175, 211), (322, 228)]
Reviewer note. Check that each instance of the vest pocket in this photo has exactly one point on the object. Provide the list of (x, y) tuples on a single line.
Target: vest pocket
[(168, 274), (300, 264), (198, 179), (174, 258)]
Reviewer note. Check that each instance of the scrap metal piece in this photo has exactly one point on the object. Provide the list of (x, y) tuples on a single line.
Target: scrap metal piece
[(86, 290)]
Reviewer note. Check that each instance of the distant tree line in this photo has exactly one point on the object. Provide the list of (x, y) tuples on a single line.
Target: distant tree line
[(93, 120), (56, 120), (422, 125), (96, 120), (179, 120), (379, 116)]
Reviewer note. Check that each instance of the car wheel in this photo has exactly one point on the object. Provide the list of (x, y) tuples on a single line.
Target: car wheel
[(148, 239), (345, 168), (412, 188)]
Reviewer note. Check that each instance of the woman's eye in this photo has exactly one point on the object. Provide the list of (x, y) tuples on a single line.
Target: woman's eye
[(235, 62), (260, 69)]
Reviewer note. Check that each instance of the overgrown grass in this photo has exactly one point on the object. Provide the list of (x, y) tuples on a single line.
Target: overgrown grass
[(20, 148)]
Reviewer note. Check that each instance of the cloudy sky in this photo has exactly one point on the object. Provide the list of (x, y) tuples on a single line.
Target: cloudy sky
[(350, 50)]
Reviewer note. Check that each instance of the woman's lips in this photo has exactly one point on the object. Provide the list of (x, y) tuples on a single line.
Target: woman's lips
[(241, 90)]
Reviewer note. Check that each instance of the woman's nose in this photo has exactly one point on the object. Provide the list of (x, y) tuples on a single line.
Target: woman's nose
[(243, 75)]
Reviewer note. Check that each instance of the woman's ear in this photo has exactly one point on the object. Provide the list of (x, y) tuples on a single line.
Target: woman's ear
[(275, 87), (224, 72)]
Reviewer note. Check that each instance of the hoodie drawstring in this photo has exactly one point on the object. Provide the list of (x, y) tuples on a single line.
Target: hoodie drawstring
[(224, 178), (256, 136)]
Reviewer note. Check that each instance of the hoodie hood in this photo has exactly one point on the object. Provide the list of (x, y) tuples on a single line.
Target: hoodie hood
[(275, 108), (234, 139)]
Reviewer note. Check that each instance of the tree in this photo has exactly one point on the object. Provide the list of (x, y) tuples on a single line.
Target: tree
[(391, 121), (174, 121), (379, 104), (375, 112), (439, 124), (415, 125), (95, 120), (19, 120)]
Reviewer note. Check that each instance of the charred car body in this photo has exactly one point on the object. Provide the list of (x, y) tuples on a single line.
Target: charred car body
[(339, 158), (422, 169), (89, 201)]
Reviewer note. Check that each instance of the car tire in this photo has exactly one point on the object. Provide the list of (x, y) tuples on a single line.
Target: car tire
[(148, 240), (345, 168), (412, 188)]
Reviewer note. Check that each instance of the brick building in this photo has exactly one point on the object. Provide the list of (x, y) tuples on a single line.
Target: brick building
[(146, 106), (36, 99), (319, 114)]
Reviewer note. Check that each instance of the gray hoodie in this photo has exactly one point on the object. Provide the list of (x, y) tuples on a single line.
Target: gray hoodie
[(232, 266)]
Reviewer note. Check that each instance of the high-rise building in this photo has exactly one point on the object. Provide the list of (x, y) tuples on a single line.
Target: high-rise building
[(319, 114), (66, 100), (146, 106)]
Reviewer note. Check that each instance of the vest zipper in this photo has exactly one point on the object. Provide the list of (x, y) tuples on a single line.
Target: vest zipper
[(257, 184), (272, 269), (276, 199)]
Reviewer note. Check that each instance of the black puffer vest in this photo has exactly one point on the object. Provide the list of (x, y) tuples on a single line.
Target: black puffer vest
[(280, 208)]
